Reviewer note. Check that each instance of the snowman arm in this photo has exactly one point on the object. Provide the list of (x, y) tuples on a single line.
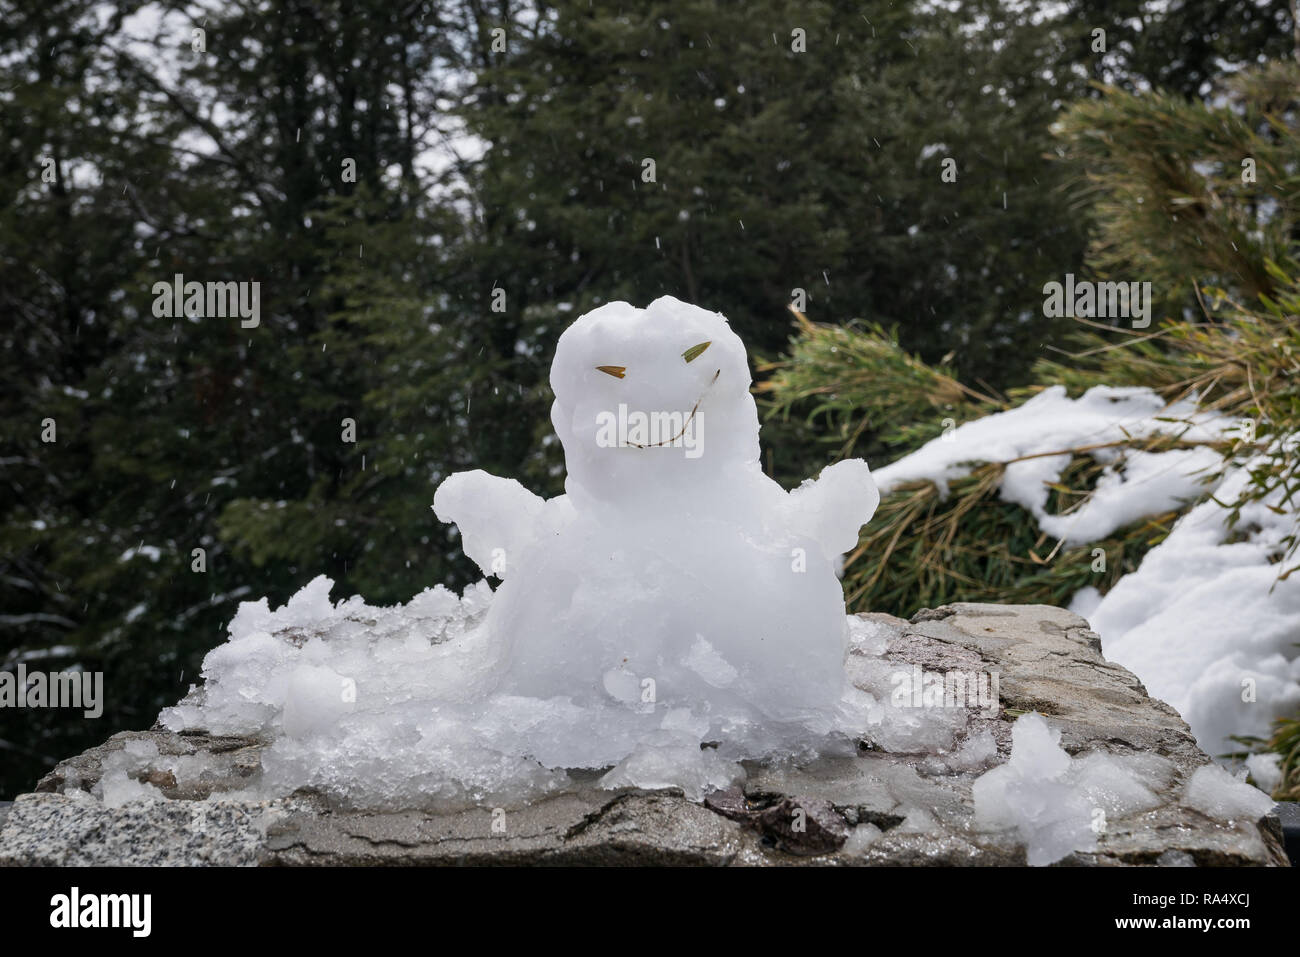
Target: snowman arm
[(833, 507), (496, 517)]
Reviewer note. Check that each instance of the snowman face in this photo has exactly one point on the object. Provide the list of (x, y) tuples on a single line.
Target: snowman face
[(646, 397)]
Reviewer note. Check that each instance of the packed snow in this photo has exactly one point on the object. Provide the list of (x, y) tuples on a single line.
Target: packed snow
[(674, 612), (1204, 622)]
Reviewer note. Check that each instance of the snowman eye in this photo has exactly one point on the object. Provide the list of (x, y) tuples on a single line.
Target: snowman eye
[(693, 353), (616, 371)]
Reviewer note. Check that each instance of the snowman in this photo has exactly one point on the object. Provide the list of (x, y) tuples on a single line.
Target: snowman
[(675, 588)]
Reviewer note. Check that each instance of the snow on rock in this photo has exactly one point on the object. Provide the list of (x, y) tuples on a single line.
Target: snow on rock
[(674, 612), (116, 786), (1057, 804), (899, 727), (1216, 793)]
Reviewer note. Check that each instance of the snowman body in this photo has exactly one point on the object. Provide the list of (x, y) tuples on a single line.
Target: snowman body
[(674, 581)]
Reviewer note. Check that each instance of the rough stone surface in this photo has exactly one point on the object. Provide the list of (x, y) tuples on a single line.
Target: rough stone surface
[(879, 808), (56, 830), (629, 827)]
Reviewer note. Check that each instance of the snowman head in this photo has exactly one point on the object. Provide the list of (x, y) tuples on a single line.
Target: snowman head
[(652, 403)]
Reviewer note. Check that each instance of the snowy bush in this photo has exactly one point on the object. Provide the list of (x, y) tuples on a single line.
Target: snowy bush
[(1161, 512)]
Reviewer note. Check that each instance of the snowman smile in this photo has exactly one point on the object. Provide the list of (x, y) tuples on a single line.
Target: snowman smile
[(660, 429), (690, 418)]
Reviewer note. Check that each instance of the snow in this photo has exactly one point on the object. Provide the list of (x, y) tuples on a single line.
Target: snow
[(1204, 622), (1266, 770), (675, 612), (316, 698), (1135, 484), (1054, 803), (1216, 793), (1150, 483)]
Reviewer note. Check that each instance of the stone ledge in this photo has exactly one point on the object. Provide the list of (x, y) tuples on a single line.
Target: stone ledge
[(919, 810)]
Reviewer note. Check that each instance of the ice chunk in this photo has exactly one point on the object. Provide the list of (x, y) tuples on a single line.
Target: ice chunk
[(861, 838), (1057, 805), (119, 783), (978, 751), (895, 724), (1031, 795), (917, 820), (116, 788), (674, 763), (142, 749), (870, 636)]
